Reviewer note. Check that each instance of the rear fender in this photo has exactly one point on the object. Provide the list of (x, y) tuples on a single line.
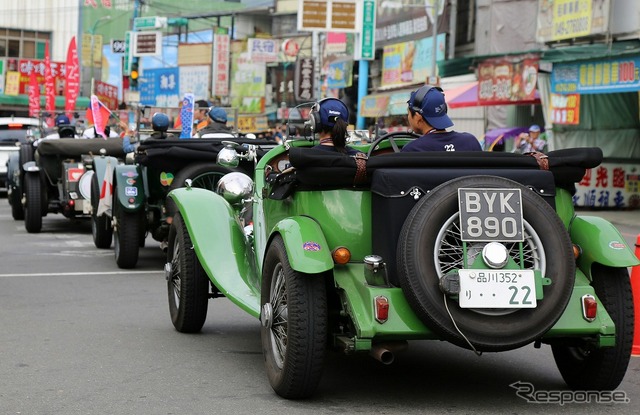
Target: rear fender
[(600, 242), (221, 245), (306, 246), (130, 187)]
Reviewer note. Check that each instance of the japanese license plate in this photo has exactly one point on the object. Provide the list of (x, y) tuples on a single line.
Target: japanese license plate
[(488, 215), (482, 288)]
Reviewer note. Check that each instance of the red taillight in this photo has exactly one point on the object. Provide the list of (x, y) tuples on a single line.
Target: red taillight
[(131, 200), (589, 307), (381, 305), (72, 203)]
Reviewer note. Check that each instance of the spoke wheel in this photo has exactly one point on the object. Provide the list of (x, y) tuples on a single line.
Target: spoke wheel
[(294, 325), (586, 367), (187, 283)]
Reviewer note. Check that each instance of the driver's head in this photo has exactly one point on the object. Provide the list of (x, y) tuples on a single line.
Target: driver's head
[(427, 105)]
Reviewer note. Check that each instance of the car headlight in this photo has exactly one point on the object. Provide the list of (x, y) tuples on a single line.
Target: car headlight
[(235, 187)]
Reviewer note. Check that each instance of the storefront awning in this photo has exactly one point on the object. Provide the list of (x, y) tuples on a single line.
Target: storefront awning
[(467, 96), (22, 100)]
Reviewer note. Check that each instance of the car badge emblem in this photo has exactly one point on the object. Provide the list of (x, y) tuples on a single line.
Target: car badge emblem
[(311, 246)]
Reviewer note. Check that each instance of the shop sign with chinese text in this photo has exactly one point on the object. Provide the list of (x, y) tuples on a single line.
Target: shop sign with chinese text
[(507, 80), (565, 109), (609, 185), (597, 77), (304, 80)]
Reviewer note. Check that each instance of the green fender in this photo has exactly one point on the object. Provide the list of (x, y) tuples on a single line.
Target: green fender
[(220, 245), (600, 242), (128, 181), (306, 246), (100, 166)]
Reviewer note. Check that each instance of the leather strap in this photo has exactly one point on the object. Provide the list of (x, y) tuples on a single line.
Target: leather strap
[(541, 158), (361, 168)]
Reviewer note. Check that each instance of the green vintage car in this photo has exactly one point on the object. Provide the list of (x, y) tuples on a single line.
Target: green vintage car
[(362, 254)]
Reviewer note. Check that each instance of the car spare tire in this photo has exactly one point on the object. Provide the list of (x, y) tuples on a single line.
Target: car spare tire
[(430, 247)]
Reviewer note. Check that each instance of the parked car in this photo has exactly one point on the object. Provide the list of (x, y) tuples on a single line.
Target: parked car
[(57, 180), (14, 132), (140, 189), (362, 254)]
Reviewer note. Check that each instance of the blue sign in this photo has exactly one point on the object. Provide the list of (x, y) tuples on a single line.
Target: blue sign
[(597, 77), (160, 87), (186, 115)]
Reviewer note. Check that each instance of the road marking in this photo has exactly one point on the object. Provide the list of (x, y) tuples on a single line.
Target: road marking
[(79, 274)]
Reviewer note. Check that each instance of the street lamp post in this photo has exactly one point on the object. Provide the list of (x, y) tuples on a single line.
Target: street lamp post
[(93, 33)]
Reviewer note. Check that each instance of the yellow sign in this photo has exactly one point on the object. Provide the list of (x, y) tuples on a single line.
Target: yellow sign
[(13, 83)]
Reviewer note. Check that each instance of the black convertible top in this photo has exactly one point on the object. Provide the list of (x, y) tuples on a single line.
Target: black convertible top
[(75, 147), (316, 167), (175, 154)]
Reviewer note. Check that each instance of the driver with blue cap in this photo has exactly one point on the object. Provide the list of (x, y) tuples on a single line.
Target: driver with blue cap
[(427, 114)]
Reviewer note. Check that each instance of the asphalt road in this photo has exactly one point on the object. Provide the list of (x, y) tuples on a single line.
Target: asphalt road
[(79, 336)]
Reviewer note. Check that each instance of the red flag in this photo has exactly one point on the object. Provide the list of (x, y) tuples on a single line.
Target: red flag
[(50, 90), (34, 95), (100, 116), (72, 78)]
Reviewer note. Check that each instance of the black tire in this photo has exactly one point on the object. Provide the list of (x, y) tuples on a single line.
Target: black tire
[(25, 154), (17, 210), (187, 283), (100, 225), (33, 204), (587, 368), (202, 175), (294, 325), (126, 234), (432, 231)]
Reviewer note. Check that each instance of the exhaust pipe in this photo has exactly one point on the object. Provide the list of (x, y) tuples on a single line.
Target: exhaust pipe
[(385, 352)]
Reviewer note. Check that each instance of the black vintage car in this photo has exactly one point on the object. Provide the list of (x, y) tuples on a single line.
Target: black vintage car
[(57, 179)]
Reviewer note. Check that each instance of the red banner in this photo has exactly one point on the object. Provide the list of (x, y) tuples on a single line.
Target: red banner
[(49, 86), (26, 66), (507, 80), (72, 89), (107, 94), (34, 96)]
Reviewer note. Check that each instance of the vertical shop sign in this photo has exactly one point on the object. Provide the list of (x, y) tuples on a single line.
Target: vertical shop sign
[(368, 34), (220, 66), (304, 85)]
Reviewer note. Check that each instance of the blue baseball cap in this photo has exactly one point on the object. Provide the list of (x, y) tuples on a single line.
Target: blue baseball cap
[(429, 102), (62, 120), (217, 114), (535, 128), (331, 109)]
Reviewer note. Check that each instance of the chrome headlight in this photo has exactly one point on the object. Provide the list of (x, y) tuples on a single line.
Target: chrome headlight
[(228, 156), (235, 187)]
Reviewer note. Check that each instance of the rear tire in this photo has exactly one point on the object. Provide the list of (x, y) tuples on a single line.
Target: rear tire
[(187, 283), (126, 235), (33, 205), (100, 225), (586, 367), (430, 246)]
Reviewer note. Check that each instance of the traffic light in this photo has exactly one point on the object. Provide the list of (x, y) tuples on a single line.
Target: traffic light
[(133, 77)]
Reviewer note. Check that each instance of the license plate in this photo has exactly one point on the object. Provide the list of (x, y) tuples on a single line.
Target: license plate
[(481, 288), (488, 215)]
